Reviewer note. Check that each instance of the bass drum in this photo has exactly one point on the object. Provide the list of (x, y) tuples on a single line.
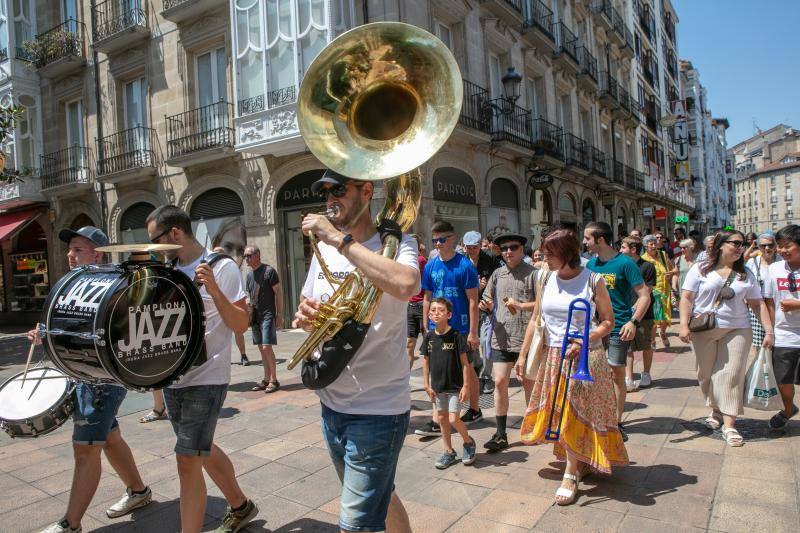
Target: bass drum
[(141, 324)]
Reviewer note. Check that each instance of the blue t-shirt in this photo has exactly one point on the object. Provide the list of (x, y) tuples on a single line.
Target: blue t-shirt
[(450, 279), (621, 275)]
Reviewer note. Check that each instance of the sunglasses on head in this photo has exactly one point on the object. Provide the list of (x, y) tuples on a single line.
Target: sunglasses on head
[(440, 240), (337, 191), (510, 247)]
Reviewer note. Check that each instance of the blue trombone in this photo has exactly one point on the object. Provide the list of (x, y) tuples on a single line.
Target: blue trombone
[(581, 373)]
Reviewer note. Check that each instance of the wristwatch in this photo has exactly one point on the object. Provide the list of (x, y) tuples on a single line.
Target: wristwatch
[(635, 322), (347, 239)]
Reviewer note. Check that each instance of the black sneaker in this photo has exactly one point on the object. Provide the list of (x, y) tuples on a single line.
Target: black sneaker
[(623, 433), (245, 360), (471, 416), (431, 429), (487, 386), (780, 420), (499, 441)]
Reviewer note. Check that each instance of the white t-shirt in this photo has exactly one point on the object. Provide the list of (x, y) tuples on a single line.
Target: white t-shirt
[(217, 368), (376, 382), (759, 268), (776, 286), (556, 298), (732, 313)]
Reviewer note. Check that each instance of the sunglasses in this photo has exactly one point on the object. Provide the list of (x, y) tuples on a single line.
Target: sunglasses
[(155, 239), (336, 190), (440, 240), (510, 247), (766, 246), (248, 256), (792, 283), (735, 244)]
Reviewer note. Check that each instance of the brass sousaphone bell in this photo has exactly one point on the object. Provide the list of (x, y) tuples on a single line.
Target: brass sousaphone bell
[(376, 103)]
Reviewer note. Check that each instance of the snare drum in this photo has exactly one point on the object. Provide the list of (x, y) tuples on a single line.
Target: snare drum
[(39, 406), (139, 324)]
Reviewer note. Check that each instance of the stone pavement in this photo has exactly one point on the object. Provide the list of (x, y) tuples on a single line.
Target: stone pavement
[(683, 477)]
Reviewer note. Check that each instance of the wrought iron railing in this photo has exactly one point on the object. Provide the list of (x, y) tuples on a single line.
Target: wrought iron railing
[(169, 4), (65, 167), (652, 114), (648, 22), (650, 69), (114, 16), (475, 112), (615, 171), (598, 159), (516, 4), (630, 177), (3, 54), (608, 85), (604, 7), (547, 138), (638, 182), (510, 122), (669, 27), (65, 40), (127, 149), (624, 99), (577, 152), (538, 15), (276, 98), (210, 126), (587, 62), (566, 41), (24, 55), (636, 110)]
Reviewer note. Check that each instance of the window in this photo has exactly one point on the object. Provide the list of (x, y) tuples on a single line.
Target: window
[(444, 34), (25, 137), (788, 193), (211, 77), (249, 49), (495, 77), (772, 180), (3, 29), (24, 24), (534, 93), (74, 123), (135, 100), (69, 10), (565, 112)]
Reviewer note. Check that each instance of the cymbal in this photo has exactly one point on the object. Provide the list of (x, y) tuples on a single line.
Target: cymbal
[(138, 247)]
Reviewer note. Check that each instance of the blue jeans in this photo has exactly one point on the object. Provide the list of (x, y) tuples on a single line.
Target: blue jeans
[(617, 351), (364, 450), (95, 414), (193, 412), (264, 332)]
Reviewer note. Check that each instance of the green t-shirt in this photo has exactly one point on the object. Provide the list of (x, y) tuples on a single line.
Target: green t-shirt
[(621, 275)]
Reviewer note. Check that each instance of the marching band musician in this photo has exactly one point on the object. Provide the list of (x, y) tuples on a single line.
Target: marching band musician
[(194, 402), (96, 428), (365, 411)]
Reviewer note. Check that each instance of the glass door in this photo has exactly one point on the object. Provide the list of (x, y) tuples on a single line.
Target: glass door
[(298, 254), (75, 156), (211, 116), (135, 118)]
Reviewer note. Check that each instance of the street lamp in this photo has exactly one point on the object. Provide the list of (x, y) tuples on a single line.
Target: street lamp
[(511, 82)]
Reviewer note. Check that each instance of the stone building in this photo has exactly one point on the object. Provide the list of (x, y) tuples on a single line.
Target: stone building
[(136, 103)]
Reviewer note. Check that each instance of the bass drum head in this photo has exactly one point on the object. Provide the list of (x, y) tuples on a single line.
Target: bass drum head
[(155, 327), (20, 402)]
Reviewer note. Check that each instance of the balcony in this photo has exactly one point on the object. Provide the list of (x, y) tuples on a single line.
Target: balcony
[(624, 109), (577, 154), (587, 69), (200, 135), (650, 70), (511, 123), (21, 191), (127, 156), (508, 11), (267, 124), (634, 118), (538, 27), (652, 115), (615, 172), (475, 113), (669, 27), (566, 50), (58, 51), (598, 160), (609, 19), (182, 10), (628, 48), (547, 141), (67, 171), (609, 91), (646, 21), (119, 25)]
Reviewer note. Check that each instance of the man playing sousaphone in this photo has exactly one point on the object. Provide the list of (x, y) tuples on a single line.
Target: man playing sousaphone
[(365, 411), (96, 428)]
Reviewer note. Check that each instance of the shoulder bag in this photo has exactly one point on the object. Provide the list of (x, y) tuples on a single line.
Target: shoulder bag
[(538, 342), (708, 319)]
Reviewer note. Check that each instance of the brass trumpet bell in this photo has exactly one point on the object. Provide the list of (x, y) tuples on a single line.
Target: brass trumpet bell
[(379, 100)]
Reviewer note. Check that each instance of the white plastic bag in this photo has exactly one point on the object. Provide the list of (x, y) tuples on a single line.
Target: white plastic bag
[(761, 387)]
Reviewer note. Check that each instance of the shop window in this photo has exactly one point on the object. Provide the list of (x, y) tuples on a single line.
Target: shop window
[(503, 215), (217, 221), (133, 226), (588, 211), (30, 283), (566, 204)]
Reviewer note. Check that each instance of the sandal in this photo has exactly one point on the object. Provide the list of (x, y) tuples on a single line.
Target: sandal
[(154, 415), (272, 387), (732, 437), (713, 422), (569, 494), (261, 386)]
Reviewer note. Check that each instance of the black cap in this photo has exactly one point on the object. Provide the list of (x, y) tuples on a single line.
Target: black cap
[(95, 235), (500, 239), (332, 177)]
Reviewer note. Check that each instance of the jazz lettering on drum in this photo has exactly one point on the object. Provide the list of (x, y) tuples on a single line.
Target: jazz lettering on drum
[(85, 294), (141, 328)]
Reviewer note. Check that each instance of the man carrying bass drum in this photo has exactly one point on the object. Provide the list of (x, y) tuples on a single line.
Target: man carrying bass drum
[(365, 411), (96, 428)]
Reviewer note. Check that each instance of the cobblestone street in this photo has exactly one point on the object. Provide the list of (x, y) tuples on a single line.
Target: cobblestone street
[(682, 477)]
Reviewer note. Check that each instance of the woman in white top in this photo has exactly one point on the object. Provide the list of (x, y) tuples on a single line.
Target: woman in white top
[(721, 352), (590, 439), (759, 265)]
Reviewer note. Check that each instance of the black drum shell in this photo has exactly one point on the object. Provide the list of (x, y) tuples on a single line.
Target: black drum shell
[(141, 325)]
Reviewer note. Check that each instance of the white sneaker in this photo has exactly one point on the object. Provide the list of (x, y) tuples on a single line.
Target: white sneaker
[(61, 527), (645, 380), (129, 502), (631, 386)]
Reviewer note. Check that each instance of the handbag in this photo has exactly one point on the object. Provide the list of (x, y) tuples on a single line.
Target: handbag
[(761, 387), (538, 342), (708, 319)]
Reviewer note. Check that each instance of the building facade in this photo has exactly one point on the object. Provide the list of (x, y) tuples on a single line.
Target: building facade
[(137, 103), (767, 168)]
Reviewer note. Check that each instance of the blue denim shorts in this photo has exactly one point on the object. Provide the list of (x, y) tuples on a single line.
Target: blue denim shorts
[(264, 332), (447, 401), (95, 414), (364, 450), (193, 412), (617, 351)]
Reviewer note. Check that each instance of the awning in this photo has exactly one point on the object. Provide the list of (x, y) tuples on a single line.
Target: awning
[(12, 223)]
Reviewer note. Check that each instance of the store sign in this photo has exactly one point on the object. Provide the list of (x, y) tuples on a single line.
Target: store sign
[(297, 191), (647, 211), (681, 137), (454, 210), (453, 185), (681, 219), (540, 180), (661, 213)]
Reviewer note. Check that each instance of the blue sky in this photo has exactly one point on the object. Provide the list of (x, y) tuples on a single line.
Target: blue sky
[(747, 55)]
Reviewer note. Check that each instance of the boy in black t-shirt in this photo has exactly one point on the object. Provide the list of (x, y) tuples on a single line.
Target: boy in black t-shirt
[(446, 372)]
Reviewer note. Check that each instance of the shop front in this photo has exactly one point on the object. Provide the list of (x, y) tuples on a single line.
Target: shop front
[(455, 200), (24, 276), (502, 216), (541, 214)]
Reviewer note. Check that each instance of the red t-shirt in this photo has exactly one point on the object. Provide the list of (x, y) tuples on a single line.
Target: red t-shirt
[(419, 297)]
